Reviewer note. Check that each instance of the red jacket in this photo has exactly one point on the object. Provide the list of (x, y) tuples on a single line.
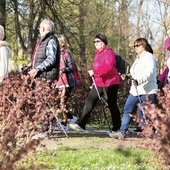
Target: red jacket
[(104, 68)]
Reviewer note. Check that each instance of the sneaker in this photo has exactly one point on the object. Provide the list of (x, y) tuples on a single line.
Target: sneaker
[(76, 127), (108, 132), (73, 120), (40, 136), (117, 135)]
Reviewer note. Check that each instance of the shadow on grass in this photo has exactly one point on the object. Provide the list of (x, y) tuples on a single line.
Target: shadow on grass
[(90, 133)]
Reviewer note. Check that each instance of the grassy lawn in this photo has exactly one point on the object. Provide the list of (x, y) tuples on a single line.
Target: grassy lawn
[(94, 159), (91, 158), (92, 151)]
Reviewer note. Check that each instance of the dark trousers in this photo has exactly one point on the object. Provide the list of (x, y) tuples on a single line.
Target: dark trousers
[(91, 101)]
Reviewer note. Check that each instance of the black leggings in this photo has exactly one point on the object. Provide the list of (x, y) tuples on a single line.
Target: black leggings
[(91, 101)]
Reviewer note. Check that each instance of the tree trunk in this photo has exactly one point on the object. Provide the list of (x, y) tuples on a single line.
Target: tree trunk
[(2, 13)]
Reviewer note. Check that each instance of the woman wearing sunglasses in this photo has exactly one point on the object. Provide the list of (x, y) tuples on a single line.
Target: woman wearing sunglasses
[(144, 85), (106, 79)]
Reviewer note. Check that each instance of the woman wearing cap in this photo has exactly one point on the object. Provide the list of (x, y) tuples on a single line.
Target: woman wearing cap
[(164, 78), (143, 72), (107, 81)]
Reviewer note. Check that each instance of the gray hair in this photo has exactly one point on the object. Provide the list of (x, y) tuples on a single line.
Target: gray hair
[(48, 24)]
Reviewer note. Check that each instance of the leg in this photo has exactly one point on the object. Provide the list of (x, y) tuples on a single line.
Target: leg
[(112, 102), (130, 104), (90, 102), (63, 96), (141, 114), (68, 94)]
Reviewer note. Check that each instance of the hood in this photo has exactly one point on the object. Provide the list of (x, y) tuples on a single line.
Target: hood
[(4, 43), (8, 47)]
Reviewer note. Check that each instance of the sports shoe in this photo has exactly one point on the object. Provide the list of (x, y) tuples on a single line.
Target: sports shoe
[(108, 132), (73, 120), (117, 135), (76, 127), (40, 136)]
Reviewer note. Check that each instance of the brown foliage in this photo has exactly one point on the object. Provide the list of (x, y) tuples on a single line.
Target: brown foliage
[(157, 131), (24, 103)]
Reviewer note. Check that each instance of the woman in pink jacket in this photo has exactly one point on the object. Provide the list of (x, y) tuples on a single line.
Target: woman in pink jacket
[(107, 81), (164, 78)]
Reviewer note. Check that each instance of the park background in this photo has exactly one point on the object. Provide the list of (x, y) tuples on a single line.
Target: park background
[(123, 21)]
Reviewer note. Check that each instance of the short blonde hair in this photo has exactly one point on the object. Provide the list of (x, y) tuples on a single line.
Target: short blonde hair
[(63, 41), (1, 32)]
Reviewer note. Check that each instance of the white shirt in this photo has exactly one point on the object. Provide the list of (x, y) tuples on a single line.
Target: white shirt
[(144, 71), (5, 53)]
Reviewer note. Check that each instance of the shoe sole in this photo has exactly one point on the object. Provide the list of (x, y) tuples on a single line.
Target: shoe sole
[(75, 129), (116, 137)]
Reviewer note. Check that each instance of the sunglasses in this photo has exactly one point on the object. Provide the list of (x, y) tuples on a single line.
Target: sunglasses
[(97, 41), (138, 45)]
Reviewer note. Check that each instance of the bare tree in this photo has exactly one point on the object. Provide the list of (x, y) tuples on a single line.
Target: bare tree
[(2, 13), (26, 16)]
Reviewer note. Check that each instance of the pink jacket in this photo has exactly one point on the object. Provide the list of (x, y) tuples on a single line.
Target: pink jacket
[(104, 68), (163, 76)]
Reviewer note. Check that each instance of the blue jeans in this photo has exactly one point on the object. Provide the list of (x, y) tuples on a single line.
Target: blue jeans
[(130, 105)]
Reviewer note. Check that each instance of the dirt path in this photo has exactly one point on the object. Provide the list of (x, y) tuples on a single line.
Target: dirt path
[(91, 138)]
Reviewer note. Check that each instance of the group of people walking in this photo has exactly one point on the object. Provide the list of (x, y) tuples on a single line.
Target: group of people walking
[(53, 61)]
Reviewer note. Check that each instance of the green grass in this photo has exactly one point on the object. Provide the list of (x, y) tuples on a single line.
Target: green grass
[(66, 158)]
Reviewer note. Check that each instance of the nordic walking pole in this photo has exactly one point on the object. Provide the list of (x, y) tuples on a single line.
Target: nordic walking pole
[(140, 101), (102, 100)]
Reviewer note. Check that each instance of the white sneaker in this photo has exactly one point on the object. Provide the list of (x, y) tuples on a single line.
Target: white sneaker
[(117, 135), (73, 120), (40, 136), (76, 127)]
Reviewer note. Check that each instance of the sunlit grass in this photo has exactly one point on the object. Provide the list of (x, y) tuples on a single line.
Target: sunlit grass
[(67, 158)]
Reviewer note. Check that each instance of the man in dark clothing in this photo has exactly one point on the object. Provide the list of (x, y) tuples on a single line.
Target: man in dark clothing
[(45, 60)]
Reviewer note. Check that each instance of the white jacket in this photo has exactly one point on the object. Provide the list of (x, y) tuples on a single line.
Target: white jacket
[(144, 71), (5, 53)]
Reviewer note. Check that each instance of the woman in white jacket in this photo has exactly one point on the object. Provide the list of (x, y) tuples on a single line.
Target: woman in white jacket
[(144, 84), (5, 53)]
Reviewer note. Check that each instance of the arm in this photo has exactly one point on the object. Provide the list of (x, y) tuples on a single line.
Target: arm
[(145, 69), (51, 51), (69, 63), (163, 75), (4, 60)]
